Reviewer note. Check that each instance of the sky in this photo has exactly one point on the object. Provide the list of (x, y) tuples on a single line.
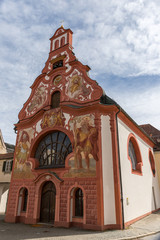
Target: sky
[(118, 39)]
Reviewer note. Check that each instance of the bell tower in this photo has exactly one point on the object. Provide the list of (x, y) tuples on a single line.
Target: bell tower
[(61, 38)]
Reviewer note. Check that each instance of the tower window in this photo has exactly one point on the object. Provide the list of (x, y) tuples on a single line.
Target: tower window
[(62, 41), (57, 44), (55, 101), (58, 64)]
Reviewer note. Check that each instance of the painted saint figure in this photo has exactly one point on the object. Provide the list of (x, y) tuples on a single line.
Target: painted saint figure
[(77, 87), (22, 150), (85, 142)]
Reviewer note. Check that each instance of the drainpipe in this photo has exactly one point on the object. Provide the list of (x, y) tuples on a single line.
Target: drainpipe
[(120, 174)]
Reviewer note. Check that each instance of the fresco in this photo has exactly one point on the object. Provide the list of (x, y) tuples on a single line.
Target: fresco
[(57, 80), (85, 147), (22, 168), (77, 89), (53, 118), (38, 99)]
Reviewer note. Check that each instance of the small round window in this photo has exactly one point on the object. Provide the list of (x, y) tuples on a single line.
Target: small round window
[(53, 150)]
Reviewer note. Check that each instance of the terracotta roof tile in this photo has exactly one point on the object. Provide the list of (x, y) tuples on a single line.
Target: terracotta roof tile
[(154, 133)]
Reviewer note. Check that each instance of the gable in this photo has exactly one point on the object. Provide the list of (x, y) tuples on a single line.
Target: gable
[(63, 73)]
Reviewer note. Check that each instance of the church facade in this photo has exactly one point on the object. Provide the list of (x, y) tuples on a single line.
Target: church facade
[(79, 160)]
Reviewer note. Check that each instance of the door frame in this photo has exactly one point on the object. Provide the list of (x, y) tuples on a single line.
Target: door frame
[(39, 182), (48, 218)]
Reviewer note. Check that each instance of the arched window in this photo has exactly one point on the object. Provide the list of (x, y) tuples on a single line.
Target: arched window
[(134, 155), (53, 150), (62, 41), (78, 202), (152, 162), (56, 44), (25, 200), (55, 100)]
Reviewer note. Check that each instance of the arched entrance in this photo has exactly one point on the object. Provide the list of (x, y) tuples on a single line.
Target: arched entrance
[(48, 199)]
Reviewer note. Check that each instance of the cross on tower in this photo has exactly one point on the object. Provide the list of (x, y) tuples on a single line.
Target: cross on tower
[(62, 21)]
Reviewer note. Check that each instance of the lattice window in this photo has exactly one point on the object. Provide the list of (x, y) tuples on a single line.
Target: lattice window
[(53, 150)]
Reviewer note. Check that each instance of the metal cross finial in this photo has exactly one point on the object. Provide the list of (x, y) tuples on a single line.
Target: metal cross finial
[(62, 21)]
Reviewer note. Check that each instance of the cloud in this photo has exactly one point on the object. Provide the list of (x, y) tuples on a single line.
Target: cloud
[(119, 40), (141, 104)]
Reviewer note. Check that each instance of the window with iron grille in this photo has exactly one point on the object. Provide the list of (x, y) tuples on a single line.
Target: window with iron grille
[(53, 150)]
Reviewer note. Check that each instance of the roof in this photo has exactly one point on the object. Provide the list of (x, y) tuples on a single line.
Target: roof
[(109, 101), (154, 133), (10, 147), (7, 156)]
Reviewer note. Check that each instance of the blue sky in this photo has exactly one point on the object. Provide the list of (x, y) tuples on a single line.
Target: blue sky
[(119, 40)]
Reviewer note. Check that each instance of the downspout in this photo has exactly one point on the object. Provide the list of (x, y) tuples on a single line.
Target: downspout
[(120, 174)]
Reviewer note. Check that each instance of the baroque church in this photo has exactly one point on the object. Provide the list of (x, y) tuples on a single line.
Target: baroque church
[(80, 159)]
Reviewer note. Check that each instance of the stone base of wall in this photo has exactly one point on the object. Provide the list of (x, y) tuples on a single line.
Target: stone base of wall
[(10, 219)]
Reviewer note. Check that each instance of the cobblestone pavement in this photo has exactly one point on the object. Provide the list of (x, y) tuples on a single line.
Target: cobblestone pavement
[(145, 227)]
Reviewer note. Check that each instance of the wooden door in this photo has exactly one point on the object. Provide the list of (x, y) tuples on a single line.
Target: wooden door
[(48, 202)]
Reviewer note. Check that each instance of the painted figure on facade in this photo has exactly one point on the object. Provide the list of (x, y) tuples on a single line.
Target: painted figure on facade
[(22, 151), (57, 80), (53, 118), (22, 168), (38, 99), (85, 140), (76, 87)]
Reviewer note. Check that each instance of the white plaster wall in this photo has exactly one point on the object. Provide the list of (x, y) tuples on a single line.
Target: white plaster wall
[(138, 189), (67, 118), (3, 202), (107, 166)]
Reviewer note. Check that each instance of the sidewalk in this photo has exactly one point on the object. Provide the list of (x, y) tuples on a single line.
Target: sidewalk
[(147, 226)]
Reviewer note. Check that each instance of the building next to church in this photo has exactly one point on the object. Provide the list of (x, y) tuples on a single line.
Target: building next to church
[(80, 160), (6, 161), (154, 133)]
